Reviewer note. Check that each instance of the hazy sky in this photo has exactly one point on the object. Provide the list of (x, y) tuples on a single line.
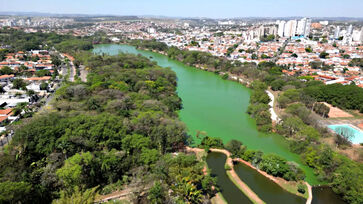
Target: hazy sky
[(193, 8)]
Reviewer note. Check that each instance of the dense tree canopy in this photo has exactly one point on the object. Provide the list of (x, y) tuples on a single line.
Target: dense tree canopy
[(346, 97), (118, 128)]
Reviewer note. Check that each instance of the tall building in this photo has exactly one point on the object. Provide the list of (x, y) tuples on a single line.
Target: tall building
[(287, 29), (307, 27), (293, 27), (361, 35), (261, 31), (337, 32), (350, 30), (290, 28), (272, 30), (356, 35), (301, 26), (281, 29)]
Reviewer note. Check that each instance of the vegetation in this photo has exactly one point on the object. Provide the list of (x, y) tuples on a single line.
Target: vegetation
[(345, 97), (356, 62), (259, 108), (323, 55), (298, 126), (19, 84), (21, 41), (267, 38), (301, 188), (118, 128), (270, 163)]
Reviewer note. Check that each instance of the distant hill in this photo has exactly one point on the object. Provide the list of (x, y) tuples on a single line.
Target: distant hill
[(121, 17)]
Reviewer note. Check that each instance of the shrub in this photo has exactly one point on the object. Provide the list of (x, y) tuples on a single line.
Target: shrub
[(227, 167), (301, 188)]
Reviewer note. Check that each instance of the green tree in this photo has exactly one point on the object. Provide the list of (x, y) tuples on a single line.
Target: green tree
[(14, 192), (42, 73), (19, 84), (43, 86), (234, 147), (277, 85), (71, 174), (157, 193), (323, 55), (6, 70), (77, 197)]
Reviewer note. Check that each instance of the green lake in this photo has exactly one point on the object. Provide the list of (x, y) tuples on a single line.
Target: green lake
[(216, 106)]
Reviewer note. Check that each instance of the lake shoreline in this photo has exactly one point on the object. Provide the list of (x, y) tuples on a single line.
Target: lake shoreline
[(242, 186), (231, 78)]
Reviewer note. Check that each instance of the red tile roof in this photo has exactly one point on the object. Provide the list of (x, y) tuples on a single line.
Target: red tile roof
[(6, 76), (44, 78), (6, 111), (2, 118)]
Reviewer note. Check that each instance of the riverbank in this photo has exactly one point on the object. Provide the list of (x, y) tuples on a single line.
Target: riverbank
[(236, 180), (203, 91), (286, 185), (289, 186), (200, 154)]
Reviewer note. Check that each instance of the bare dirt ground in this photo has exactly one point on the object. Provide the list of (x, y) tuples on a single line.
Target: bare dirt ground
[(360, 126), (336, 112), (117, 195), (355, 152)]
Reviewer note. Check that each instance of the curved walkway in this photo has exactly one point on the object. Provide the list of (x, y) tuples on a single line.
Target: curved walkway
[(235, 178), (274, 116), (244, 187), (310, 199)]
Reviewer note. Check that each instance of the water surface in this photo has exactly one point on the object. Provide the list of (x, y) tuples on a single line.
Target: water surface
[(267, 190), (355, 133), (231, 193), (216, 106), (325, 195)]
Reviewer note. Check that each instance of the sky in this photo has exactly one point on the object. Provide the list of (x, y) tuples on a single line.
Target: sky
[(192, 8)]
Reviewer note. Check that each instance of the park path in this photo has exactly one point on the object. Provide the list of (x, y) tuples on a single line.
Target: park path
[(274, 117), (236, 179), (310, 199)]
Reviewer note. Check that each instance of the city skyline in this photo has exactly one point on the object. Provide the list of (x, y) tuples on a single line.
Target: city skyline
[(188, 8)]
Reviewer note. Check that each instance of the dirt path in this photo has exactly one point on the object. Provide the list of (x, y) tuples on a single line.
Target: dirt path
[(218, 198), (115, 195), (235, 178), (280, 181), (310, 199), (83, 72), (274, 117)]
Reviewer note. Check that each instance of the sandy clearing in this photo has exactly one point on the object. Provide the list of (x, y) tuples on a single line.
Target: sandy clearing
[(274, 116), (336, 112)]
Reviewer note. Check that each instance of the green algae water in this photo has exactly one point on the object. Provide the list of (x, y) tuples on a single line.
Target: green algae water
[(230, 192), (216, 106)]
